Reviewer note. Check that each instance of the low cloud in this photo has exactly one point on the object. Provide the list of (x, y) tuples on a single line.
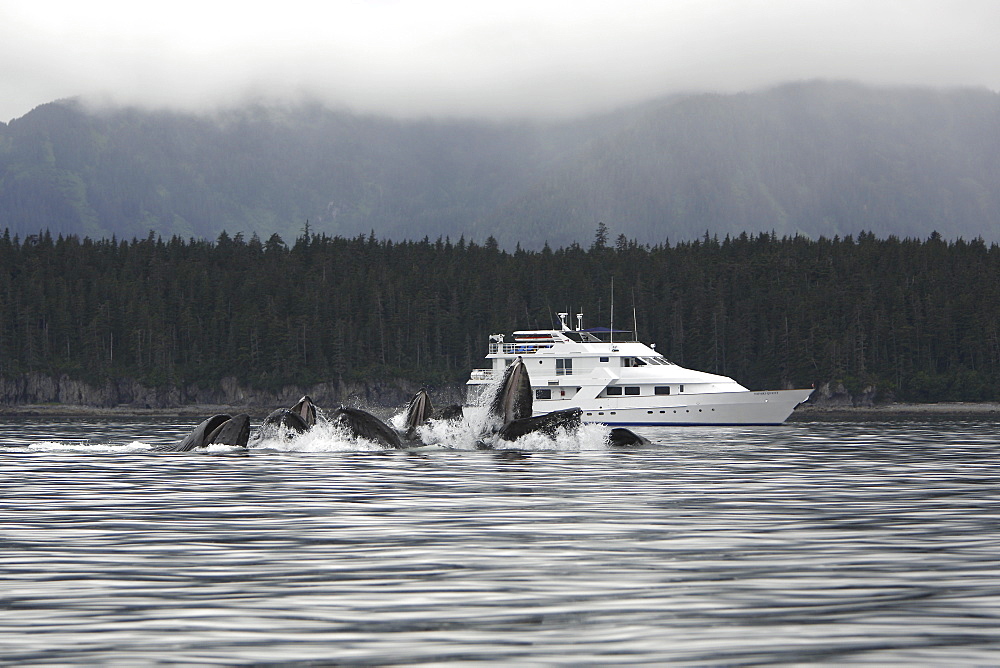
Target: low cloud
[(455, 58)]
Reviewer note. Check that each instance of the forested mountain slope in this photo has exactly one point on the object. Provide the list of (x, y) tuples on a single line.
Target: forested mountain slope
[(813, 158)]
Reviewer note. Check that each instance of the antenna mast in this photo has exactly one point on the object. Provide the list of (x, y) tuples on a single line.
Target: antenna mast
[(635, 320), (612, 309)]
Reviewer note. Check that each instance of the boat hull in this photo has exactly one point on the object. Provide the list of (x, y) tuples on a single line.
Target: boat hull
[(721, 408)]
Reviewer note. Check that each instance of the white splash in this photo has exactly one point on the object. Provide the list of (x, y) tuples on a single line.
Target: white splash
[(324, 436), (454, 434), (590, 436), (87, 446)]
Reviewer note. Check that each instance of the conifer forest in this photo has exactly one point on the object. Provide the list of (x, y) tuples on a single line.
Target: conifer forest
[(917, 319)]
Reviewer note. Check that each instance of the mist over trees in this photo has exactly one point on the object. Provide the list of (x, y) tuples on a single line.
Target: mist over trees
[(817, 159), (917, 319)]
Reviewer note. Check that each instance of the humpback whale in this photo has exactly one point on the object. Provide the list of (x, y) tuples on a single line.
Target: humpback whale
[(512, 406), (219, 429), (513, 399), (568, 418), (620, 436), (303, 415), (299, 418), (365, 425), (421, 409), (417, 412)]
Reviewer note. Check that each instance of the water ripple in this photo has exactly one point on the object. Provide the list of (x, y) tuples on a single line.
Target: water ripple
[(836, 542)]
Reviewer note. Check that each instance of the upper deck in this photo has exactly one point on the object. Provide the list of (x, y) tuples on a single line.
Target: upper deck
[(569, 342), (578, 357)]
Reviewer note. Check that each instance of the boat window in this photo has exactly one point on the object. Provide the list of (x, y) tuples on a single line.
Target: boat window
[(663, 389), (573, 336), (682, 388), (613, 391), (604, 359), (544, 393), (564, 367), (632, 391), (632, 361)]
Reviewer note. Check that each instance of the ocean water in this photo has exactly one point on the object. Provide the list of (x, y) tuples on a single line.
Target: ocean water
[(847, 542)]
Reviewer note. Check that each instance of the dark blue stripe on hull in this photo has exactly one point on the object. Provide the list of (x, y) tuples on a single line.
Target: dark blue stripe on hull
[(689, 424)]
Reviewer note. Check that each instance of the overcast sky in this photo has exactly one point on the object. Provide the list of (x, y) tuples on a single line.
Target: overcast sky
[(466, 58)]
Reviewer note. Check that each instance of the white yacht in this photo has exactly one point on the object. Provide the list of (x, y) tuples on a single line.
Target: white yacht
[(626, 382)]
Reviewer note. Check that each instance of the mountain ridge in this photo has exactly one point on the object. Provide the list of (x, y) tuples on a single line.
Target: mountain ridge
[(814, 158)]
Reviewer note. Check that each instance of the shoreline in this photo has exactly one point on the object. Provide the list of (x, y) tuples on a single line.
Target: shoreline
[(944, 407), (73, 410), (804, 411)]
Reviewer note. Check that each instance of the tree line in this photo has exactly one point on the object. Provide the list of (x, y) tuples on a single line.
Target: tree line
[(918, 319)]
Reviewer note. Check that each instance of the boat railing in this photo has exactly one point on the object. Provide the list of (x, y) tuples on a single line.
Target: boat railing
[(482, 374), (517, 348)]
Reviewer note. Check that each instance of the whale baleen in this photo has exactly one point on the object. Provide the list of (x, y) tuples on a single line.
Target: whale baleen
[(513, 398), (420, 410), (417, 412)]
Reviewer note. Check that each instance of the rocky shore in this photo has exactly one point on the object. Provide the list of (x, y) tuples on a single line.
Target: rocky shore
[(813, 411), (40, 395), (75, 410), (803, 412)]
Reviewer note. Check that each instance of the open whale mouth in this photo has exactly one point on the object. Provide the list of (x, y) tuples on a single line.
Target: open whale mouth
[(234, 431), (305, 409), (513, 400), (217, 430), (417, 412)]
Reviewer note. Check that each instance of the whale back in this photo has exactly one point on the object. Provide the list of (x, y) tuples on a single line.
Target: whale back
[(513, 398), (365, 425), (621, 437)]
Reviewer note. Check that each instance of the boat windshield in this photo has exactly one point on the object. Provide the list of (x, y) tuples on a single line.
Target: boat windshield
[(659, 359), (582, 337)]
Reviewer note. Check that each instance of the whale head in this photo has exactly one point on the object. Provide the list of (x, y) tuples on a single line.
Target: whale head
[(234, 431), (221, 429), (306, 410), (418, 411), (513, 398)]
